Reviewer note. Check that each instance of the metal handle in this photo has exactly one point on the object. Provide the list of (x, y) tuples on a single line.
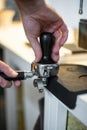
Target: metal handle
[(81, 7)]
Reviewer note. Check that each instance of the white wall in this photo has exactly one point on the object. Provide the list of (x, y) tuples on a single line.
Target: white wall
[(68, 9)]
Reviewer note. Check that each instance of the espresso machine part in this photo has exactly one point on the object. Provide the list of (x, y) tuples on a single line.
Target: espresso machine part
[(65, 81)]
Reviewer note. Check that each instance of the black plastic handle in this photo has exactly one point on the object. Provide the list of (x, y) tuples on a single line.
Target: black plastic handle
[(20, 76), (47, 41)]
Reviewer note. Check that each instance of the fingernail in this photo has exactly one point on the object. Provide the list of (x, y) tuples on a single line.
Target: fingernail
[(17, 83), (36, 60), (14, 73), (55, 57)]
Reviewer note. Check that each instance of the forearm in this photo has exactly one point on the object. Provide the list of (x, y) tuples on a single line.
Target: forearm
[(29, 6)]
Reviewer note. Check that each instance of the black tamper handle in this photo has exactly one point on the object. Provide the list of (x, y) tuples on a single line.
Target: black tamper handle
[(20, 76), (47, 41)]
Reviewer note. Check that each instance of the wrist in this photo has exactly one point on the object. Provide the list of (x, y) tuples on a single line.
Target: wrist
[(29, 6)]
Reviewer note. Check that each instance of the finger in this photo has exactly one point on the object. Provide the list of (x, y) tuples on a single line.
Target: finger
[(61, 36), (56, 47), (4, 83), (54, 26), (17, 83), (7, 70), (64, 32), (36, 47)]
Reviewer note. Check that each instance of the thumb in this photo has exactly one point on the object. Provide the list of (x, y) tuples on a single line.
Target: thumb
[(7, 69)]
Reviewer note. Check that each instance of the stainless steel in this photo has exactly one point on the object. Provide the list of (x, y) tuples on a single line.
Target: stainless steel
[(43, 72), (38, 83), (81, 7), (28, 74)]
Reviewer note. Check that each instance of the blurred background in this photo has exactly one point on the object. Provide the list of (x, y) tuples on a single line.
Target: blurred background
[(68, 9)]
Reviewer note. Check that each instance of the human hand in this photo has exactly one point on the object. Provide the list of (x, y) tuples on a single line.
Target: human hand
[(44, 19), (9, 72)]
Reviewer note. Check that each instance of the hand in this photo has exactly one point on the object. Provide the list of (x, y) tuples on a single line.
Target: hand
[(9, 72), (44, 20)]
